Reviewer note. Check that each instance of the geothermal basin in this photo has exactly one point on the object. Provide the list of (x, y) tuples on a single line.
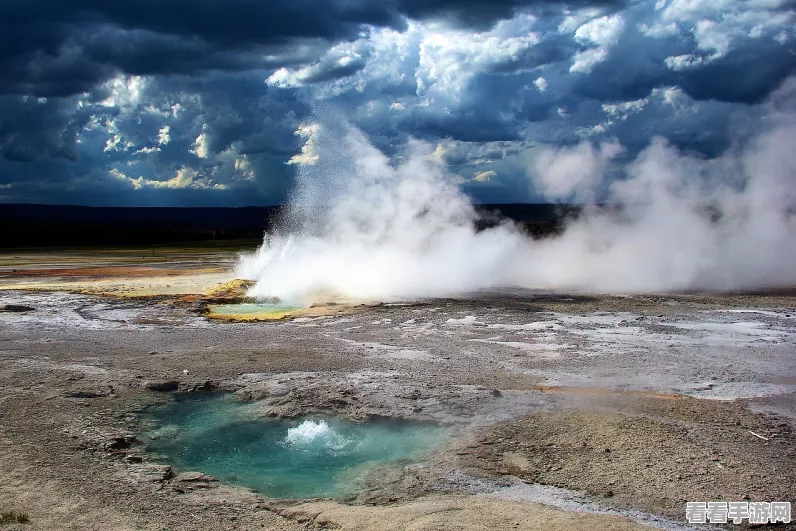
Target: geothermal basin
[(124, 406)]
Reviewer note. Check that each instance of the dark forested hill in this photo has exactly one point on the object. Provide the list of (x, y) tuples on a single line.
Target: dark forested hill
[(24, 225)]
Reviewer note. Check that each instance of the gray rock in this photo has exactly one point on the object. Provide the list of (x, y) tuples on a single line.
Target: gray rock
[(200, 307), (120, 442), (16, 308), (98, 392), (193, 477), (154, 473), (192, 387), (162, 385)]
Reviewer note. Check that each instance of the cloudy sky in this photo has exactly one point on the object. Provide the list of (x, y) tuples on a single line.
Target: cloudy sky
[(197, 102)]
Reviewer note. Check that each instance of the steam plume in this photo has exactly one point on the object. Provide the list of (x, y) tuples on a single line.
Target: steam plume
[(401, 227)]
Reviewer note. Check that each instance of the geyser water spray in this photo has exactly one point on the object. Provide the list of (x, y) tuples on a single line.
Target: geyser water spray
[(362, 225), (317, 435)]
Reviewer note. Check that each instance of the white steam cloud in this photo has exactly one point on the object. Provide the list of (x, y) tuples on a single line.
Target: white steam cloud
[(385, 230), (401, 228)]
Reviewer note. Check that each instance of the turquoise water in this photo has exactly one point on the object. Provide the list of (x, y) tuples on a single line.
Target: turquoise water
[(306, 458)]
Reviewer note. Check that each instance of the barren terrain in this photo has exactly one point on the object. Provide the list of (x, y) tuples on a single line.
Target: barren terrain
[(572, 410)]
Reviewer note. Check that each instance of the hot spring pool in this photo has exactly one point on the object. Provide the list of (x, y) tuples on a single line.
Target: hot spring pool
[(307, 458)]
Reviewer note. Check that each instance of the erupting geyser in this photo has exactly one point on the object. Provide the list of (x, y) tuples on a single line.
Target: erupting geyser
[(365, 226)]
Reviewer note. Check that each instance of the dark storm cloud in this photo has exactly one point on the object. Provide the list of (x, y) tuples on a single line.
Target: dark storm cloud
[(56, 48), (763, 70), (472, 125), (62, 48), (130, 149), (240, 108), (142, 52), (481, 14), (553, 49), (199, 99), (746, 74), (30, 127), (329, 70)]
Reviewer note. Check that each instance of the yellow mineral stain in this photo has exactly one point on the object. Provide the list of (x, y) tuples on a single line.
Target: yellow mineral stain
[(185, 284), (234, 288), (230, 314)]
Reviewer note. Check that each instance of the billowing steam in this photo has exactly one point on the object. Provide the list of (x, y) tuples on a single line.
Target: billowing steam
[(401, 228)]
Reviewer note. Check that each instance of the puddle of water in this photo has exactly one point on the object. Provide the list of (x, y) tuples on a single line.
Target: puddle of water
[(251, 311), (306, 458)]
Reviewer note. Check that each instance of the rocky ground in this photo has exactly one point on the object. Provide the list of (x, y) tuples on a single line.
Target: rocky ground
[(572, 411)]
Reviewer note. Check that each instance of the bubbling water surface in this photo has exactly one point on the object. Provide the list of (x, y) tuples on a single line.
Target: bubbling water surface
[(306, 458)]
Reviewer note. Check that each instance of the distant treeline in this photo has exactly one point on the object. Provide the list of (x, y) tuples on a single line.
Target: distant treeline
[(23, 225)]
